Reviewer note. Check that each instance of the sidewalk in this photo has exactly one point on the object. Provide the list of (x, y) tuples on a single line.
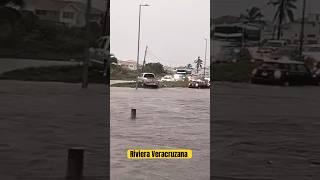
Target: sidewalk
[(9, 64)]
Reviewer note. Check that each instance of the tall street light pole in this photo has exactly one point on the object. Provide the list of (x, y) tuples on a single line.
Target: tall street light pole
[(205, 58), (138, 52), (86, 51), (302, 30)]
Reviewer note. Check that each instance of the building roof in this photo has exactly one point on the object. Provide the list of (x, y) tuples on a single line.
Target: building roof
[(56, 5), (240, 25), (127, 62), (228, 19)]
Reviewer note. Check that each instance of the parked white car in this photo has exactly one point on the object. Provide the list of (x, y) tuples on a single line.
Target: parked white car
[(167, 78)]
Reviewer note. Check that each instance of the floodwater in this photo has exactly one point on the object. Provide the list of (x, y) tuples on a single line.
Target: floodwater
[(265, 132), (40, 121), (167, 118)]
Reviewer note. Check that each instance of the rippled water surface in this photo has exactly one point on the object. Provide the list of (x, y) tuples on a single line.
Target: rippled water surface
[(166, 118)]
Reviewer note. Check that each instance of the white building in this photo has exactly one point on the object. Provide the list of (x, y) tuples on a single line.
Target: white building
[(292, 31), (71, 13), (128, 64)]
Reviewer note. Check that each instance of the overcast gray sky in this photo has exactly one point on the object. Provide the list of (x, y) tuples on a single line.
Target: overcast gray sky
[(174, 30), (236, 7)]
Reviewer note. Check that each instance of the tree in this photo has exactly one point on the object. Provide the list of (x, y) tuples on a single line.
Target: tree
[(252, 15), (211, 27), (283, 13), (113, 58), (189, 66), (198, 63), (156, 68), (9, 17), (19, 3)]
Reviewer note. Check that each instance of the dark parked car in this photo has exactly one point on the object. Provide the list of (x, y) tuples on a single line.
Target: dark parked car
[(283, 72), (199, 83)]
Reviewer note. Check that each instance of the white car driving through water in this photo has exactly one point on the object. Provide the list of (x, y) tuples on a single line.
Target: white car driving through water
[(148, 80)]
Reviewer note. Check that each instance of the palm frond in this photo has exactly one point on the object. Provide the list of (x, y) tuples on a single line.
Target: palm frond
[(290, 15)]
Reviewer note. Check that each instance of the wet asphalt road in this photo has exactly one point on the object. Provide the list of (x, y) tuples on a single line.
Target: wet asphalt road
[(265, 132)]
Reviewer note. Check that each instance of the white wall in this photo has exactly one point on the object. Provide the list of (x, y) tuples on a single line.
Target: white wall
[(294, 31)]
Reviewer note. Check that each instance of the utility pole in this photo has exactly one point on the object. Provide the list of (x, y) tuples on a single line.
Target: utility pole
[(302, 30), (243, 37), (144, 59), (87, 46), (138, 51), (205, 58), (105, 21)]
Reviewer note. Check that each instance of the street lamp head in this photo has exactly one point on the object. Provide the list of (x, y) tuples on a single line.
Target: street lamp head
[(144, 5)]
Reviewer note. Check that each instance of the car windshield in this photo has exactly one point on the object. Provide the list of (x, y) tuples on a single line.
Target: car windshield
[(149, 76), (181, 71), (298, 67), (272, 65)]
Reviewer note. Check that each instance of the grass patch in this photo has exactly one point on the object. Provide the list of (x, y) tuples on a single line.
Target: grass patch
[(233, 72), (127, 84), (175, 84), (71, 74), (127, 76)]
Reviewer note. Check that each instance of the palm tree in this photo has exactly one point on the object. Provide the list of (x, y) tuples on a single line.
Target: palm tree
[(252, 15), (283, 13), (211, 27), (198, 63)]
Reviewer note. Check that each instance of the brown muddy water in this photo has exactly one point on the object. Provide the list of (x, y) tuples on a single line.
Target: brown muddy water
[(167, 118)]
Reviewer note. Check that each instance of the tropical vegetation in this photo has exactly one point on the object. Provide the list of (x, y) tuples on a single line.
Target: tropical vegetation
[(284, 13), (252, 15), (198, 63)]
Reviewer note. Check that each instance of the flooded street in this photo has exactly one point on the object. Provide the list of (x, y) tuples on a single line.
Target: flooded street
[(265, 132), (167, 118), (40, 121)]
